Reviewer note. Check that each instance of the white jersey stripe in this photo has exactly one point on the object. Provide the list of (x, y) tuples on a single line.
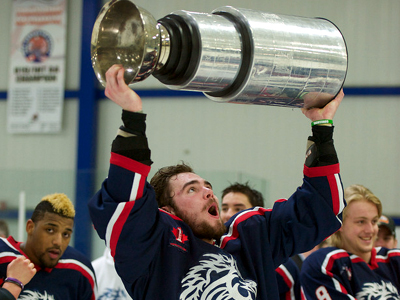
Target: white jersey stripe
[(327, 259), (135, 186), (78, 263), (325, 264), (120, 208), (230, 229), (9, 244), (290, 277), (385, 257), (340, 192), (112, 221), (4, 254)]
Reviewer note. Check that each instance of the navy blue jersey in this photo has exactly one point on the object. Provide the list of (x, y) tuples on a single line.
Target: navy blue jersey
[(332, 273), (157, 255), (72, 277), (288, 278)]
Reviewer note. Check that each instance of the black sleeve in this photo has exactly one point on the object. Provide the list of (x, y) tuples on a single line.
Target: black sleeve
[(320, 148), (5, 294), (134, 144)]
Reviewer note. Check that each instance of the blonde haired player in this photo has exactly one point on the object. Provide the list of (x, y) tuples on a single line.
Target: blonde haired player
[(62, 272)]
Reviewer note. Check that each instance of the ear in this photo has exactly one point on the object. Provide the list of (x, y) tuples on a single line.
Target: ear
[(168, 209), (30, 226)]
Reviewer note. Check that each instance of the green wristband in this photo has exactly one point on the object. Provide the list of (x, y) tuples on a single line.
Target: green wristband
[(322, 122)]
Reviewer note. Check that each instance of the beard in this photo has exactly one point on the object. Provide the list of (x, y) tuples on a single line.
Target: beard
[(206, 231), (47, 264), (202, 229)]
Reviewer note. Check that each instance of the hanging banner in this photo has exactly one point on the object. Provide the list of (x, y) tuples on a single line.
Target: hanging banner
[(37, 63)]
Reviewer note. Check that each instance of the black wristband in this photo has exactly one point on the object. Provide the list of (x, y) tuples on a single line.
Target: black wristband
[(322, 134), (321, 150), (134, 122)]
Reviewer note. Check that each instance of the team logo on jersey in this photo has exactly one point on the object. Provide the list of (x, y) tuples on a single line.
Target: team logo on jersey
[(378, 291), (31, 295), (347, 271), (179, 235), (180, 239), (217, 277)]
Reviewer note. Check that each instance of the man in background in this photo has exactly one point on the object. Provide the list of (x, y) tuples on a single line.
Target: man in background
[(238, 197), (63, 273), (353, 268), (387, 233)]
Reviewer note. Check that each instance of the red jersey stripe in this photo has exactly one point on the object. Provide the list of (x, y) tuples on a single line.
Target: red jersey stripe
[(129, 164), (321, 171)]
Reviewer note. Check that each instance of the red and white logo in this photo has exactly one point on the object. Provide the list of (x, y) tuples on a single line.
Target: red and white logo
[(179, 235)]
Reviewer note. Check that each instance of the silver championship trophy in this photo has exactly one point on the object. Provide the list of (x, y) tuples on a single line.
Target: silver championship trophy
[(232, 55)]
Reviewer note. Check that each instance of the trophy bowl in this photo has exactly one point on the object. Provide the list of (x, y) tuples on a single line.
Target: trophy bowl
[(128, 35)]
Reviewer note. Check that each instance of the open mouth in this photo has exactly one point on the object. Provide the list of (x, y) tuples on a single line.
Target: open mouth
[(213, 210)]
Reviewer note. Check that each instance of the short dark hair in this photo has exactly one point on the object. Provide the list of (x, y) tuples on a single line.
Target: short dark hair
[(254, 196), (160, 182), (57, 203)]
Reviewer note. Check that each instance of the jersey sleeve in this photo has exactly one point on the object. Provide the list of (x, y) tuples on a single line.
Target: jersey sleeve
[(293, 225), (297, 224), (124, 211), (288, 279), (324, 275)]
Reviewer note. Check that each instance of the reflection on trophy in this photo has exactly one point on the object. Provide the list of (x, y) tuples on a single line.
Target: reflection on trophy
[(232, 55)]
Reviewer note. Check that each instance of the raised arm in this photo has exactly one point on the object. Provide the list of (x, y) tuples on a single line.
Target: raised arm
[(124, 210)]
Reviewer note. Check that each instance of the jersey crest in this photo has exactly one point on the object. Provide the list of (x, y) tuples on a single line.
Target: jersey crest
[(31, 295), (113, 294), (217, 277), (378, 291)]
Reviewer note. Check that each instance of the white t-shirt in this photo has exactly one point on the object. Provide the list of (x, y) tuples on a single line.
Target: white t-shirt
[(109, 285)]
